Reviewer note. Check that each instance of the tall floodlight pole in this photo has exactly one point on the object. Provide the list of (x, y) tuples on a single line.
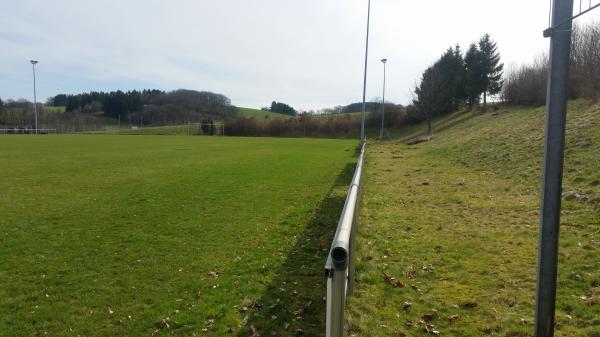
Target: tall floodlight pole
[(384, 61), (556, 113), (33, 63), (364, 105)]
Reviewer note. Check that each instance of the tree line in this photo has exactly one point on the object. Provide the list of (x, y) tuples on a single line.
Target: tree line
[(281, 108), (527, 84), (148, 106), (455, 79)]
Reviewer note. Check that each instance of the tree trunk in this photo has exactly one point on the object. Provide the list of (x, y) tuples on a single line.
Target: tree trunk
[(484, 100), (429, 125)]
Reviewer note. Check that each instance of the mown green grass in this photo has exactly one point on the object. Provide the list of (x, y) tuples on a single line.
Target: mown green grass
[(257, 113), (458, 218), (148, 235)]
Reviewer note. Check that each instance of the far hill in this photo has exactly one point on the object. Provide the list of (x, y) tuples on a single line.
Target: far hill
[(257, 113)]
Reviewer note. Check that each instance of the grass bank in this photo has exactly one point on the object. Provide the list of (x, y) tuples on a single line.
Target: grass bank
[(456, 221)]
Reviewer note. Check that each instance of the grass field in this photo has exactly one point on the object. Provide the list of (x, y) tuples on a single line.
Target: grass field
[(456, 220), (257, 113), (148, 235)]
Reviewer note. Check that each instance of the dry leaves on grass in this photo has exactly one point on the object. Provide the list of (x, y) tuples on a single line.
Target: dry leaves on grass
[(428, 268), (453, 318), (430, 328), (409, 275), (303, 309), (250, 305), (254, 331), (429, 317), (392, 280), (468, 305), (417, 289)]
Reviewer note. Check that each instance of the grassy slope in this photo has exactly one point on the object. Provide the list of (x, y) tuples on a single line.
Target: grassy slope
[(118, 236), (257, 113), (461, 213)]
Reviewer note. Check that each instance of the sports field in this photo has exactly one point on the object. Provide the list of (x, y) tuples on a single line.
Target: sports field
[(105, 235)]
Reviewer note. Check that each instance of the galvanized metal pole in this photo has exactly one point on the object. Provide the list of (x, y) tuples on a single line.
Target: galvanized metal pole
[(364, 106), (34, 97), (383, 101), (556, 112)]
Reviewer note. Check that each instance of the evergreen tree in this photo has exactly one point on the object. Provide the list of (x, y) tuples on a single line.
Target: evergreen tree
[(490, 66), (474, 82), (434, 94), (452, 68), (282, 108)]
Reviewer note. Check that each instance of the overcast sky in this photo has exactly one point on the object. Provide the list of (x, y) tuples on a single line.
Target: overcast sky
[(307, 53)]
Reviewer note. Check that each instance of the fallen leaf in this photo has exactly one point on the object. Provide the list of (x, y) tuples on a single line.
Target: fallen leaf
[(453, 318), (406, 306), (468, 304), (430, 328), (254, 331), (409, 275), (428, 268), (416, 288), (392, 280)]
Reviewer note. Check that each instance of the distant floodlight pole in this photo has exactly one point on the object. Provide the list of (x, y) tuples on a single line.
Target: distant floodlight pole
[(33, 63), (556, 114), (364, 106), (384, 61)]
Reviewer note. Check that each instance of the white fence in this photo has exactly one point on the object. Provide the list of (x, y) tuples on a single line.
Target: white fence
[(339, 267)]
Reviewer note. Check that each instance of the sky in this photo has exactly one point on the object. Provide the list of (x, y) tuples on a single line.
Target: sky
[(307, 53)]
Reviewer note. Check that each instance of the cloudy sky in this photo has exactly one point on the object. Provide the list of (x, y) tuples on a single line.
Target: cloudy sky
[(308, 53)]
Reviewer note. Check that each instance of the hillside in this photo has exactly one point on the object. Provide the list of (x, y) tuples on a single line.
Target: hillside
[(456, 220), (257, 113)]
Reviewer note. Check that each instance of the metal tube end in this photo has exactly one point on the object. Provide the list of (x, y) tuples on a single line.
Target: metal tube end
[(339, 255)]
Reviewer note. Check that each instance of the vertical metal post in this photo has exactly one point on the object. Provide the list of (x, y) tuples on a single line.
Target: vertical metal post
[(338, 302), (383, 101), (364, 106), (556, 112), (34, 97)]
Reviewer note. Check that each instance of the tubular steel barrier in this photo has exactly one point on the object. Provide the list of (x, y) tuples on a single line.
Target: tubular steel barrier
[(25, 131), (339, 267)]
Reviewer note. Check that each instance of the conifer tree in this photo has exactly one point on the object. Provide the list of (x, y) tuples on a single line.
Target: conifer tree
[(490, 66), (474, 75)]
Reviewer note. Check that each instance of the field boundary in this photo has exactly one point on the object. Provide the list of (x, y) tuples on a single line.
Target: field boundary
[(340, 265)]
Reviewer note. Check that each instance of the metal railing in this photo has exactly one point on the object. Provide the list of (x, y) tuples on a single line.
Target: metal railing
[(339, 267), (16, 131)]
